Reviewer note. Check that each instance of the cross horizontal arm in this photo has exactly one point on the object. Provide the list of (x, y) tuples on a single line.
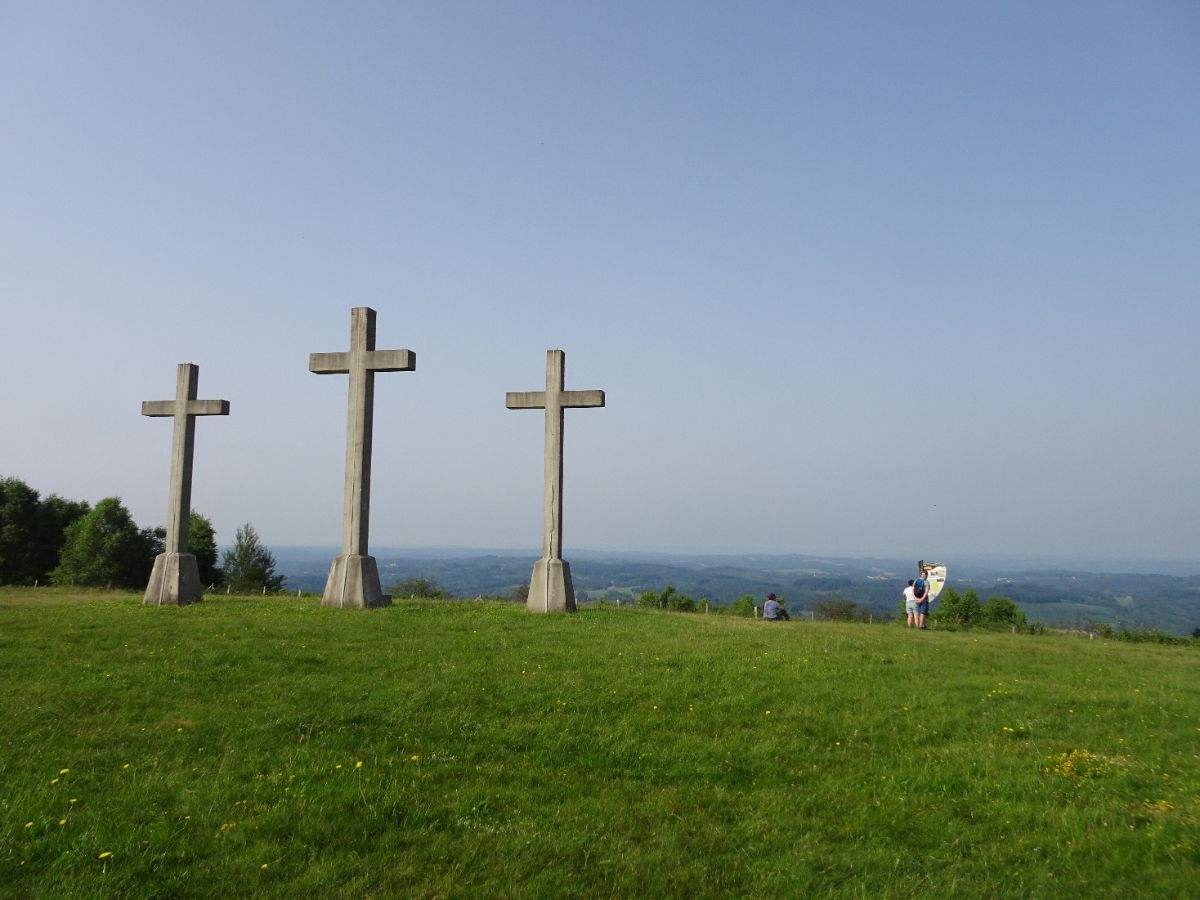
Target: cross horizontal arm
[(193, 408), (329, 363), (525, 399), (391, 360), (376, 361), (581, 399)]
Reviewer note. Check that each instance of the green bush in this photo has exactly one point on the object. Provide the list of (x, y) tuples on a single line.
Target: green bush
[(1003, 612), (428, 588), (669, 599), (744, 606), (959, 609)]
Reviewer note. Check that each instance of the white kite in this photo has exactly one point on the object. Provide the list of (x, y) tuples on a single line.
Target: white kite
[(934, 575)]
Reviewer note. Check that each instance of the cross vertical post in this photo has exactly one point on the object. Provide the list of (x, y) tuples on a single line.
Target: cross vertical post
[(550, 587), (175, 580), (354, 575)]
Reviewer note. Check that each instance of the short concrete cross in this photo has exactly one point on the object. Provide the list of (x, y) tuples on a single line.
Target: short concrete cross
[(550, 588), (175, 580), (354, 576)]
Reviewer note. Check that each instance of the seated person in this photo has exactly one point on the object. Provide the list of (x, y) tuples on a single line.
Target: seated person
[(774, 611)]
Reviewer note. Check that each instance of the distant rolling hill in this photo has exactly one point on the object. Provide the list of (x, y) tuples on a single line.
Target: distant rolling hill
[(1169, 603)]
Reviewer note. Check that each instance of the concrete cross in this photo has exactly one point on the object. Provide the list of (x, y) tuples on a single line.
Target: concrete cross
[(550, 588), (176, 577), (354, 577)]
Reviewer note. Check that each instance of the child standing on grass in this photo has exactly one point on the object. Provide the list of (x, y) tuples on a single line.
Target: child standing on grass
[(910, 604)]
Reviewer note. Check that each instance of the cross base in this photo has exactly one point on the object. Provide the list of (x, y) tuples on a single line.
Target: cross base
[(550, 588), (353, 583), (175, 581)]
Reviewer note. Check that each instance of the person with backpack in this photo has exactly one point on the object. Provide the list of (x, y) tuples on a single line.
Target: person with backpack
[(920, 590)]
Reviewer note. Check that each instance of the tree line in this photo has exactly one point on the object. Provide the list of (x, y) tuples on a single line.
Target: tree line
[(52, 540)]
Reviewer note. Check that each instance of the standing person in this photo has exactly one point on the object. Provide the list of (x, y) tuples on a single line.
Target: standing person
[(910, 605), (920, 590), (773, 610)]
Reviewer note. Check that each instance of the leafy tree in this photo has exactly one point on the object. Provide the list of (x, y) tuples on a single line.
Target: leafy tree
[(54, 517), (959, 609), (32, 531), (202, 544), (105, 547), (521, 593), (248, 566), (19, 508)]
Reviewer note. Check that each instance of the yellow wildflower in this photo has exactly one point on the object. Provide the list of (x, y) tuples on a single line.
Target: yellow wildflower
[(105, 855)]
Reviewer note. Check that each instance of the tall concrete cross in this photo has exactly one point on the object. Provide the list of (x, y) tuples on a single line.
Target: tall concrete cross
[(550, 588), (175, 579), (354, 576)]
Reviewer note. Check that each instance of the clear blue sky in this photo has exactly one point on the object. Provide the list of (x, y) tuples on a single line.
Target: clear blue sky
[(914, 280)]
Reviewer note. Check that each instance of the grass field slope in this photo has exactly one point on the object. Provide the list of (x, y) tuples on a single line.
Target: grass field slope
[(267, 747)]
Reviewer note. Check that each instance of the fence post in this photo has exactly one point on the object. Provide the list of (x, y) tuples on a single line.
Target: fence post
[(264, 590), (812, 615)]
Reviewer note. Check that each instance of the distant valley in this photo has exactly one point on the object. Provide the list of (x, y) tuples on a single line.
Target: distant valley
[(1169, 603)]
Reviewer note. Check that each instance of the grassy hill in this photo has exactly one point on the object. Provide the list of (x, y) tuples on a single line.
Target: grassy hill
[(269, 747)]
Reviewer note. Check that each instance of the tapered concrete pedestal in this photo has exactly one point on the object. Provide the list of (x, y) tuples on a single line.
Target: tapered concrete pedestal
[(550, 589), (353, 583), (175, 581)]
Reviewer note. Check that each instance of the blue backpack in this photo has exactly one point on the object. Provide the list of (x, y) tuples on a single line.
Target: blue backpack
[(920, 588)]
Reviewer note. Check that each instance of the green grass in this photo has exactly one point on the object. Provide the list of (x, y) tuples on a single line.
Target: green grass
[(214, 750)]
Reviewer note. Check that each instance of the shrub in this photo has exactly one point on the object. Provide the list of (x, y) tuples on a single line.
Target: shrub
[(959, 609), (668, 599), (428, 588), (1002, 611), (743, 606)]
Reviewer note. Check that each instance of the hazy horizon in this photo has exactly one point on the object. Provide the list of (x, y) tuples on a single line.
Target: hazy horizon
[(1098, 565)]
